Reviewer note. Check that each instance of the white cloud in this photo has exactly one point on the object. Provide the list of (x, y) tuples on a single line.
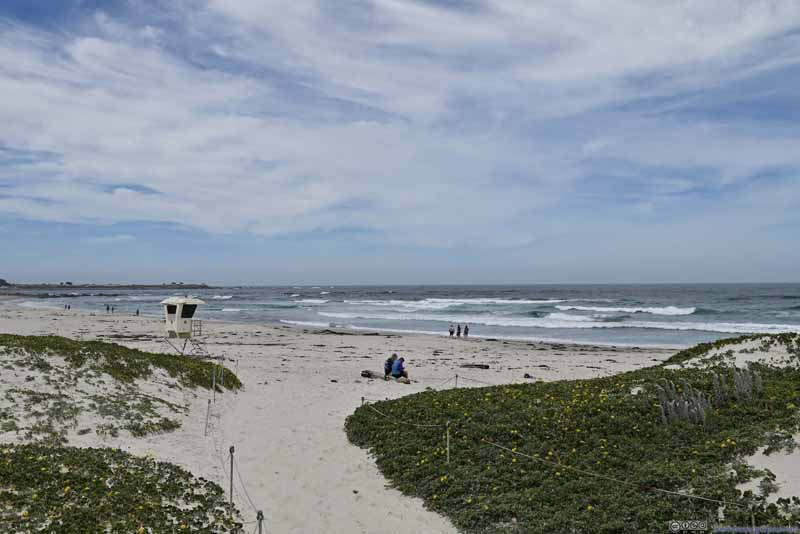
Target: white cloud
[(109, 239), (418, 124)]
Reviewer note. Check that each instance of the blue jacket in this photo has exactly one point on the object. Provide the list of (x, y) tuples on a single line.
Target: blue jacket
[(397, 368)]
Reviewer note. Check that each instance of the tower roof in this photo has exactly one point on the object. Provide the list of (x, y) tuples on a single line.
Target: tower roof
[(182, 300)]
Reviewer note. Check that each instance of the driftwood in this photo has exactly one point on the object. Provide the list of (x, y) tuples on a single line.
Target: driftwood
[(372, 374), (475, 366)]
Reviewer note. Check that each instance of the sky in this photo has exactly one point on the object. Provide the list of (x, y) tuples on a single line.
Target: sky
[(400, 141)]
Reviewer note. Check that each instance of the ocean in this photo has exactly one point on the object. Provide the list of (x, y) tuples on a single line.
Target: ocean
[(633, 315)]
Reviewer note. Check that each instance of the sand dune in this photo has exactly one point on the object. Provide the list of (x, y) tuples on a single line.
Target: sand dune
[(287, 423)]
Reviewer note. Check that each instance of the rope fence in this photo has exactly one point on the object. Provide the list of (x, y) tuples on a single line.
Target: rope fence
[(217, 437)]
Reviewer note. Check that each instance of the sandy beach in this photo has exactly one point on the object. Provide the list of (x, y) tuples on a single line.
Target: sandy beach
[(295, 461)]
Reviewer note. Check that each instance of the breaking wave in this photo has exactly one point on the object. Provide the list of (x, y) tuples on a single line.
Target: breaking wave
[(442, 304), (666, 310), (566, 321)]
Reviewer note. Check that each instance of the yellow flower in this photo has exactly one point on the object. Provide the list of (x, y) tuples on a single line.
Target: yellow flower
[(590, 507)]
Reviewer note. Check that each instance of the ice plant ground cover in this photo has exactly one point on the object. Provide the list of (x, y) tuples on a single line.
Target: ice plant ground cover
[(554, 434), (73, 490)]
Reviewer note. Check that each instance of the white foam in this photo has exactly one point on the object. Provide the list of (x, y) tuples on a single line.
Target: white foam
[(568, 317), (306, 323), (666, 310), (38, 305), (538, 339), (570, 322), (222, 297), (295, 295), (144, 298), (311, 301), (231, 309), (324, 292), (441, 304)]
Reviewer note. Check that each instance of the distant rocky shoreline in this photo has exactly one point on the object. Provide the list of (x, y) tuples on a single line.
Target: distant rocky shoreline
[(72, 290)]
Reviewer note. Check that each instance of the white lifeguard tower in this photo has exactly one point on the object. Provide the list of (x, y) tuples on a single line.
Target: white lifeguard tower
[(181, 324)]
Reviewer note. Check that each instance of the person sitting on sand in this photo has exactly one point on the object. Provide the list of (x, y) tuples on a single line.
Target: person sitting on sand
[(387, 366), (399, 369)]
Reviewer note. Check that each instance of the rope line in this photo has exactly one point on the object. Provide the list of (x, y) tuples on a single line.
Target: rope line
[(445, 382), (474, 380), (599, 475), (239, 474), (401, 420), (215, 434)]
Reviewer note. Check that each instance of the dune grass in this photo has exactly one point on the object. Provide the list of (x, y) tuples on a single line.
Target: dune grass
[(122, 363), (65, 379), (50, 382)]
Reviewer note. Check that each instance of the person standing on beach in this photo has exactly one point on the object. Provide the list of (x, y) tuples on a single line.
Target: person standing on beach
[(458, 331), (466, 330), (452, 330), (108, 308)]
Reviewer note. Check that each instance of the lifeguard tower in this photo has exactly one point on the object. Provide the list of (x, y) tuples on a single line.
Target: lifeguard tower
[(181, 324)]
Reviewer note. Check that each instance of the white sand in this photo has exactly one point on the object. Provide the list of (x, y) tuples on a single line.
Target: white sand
[(742, 354), (784, 465), (287, 423)]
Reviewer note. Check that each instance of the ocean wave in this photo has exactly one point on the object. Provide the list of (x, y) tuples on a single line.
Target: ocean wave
[(38, 305), (306, 323), (295, 295), (566, 321), (232, 309), (222, 297), (413, 331), (442, 304), (567, 317), (324, 292), (666, 310), (312, 301)]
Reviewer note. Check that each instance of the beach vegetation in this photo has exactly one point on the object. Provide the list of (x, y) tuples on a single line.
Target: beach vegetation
[(593, 456), (52, 384), (73, 490)]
